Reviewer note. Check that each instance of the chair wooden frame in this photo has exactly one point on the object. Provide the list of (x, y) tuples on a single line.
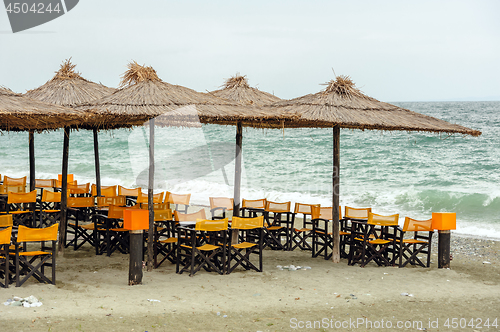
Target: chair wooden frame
[(279, 221), (207, 248), (253, 207), (5, 240), (251, 231), (301, 235), (220, 204), (27, 267), (178, 199), (420, 243), (165, 237), (130, 194), (374, 240), (22, 207), (50, 212), (80, 224)]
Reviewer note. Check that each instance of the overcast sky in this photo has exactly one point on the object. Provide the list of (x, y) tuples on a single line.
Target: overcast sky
[(393, 50)]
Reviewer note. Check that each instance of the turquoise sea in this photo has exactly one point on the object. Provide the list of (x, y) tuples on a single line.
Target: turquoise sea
[(412, 174)]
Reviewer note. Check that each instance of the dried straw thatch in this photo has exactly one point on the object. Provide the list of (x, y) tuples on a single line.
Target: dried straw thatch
[(19, 113), (236, 89), (68, 88), (144, 95), (341, 103)]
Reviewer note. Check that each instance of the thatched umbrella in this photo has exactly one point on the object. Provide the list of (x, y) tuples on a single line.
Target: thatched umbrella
[(68, 88), (19, 113), (342, 105)]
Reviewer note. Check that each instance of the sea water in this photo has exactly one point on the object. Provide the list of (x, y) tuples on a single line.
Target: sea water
[(413, 174)]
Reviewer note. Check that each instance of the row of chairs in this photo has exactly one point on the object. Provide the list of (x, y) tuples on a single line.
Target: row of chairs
[(316, 233), (20, 260)]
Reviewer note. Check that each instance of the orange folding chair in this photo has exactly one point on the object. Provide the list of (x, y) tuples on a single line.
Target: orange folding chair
[(207, 247), (5, 239), (50, 212), (22, 207), (251, 231), (222, 204), (32, 263), (301, 235), (374, 240), (418, 244)]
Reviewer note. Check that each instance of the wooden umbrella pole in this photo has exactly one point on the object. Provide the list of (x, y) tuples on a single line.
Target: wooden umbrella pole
[(150, 193), (336, 193), (32, 160), (237, 169), (64, 195), (237, 176), (97, 165)]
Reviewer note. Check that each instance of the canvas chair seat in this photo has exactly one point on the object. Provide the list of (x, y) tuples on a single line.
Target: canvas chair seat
[(251, 232)]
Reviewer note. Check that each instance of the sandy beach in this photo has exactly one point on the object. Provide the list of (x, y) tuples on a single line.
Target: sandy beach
[(92, 294)]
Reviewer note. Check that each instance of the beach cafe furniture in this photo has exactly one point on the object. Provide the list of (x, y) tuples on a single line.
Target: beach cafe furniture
[(34, 263), (143, 198), (5, 239), (80, 223), (130, 194), (410, 249), (205, 247), (178, 199), (106, 191), (8, 181), (220, 204), (350, 213), (165, 237), (109, 233), (50, 211), (79, 190), (279, 222), (253, 207), (322, 240), (22, 207), (251, 231), (374, 240), (300, 236)]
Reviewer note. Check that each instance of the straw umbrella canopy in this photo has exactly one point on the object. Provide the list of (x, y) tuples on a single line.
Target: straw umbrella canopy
[(145, 95), (68, 88), (342, 105), (19, 113)]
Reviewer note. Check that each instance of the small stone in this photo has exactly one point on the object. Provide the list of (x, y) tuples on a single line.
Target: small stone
[(404, 294), (16, 303), (486, 262)]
